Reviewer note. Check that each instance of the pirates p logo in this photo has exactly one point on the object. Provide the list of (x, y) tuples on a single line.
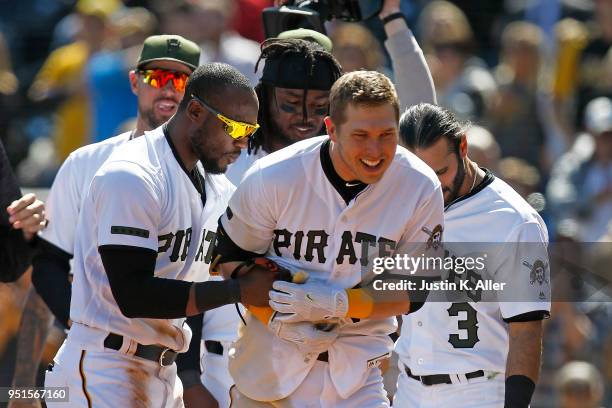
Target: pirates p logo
[(435, 236), (538, 272)]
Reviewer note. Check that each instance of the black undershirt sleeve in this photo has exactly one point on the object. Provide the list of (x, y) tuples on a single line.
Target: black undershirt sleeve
[(228, 250), (190, 360), (15, 253), (50, 273), (138, 293)]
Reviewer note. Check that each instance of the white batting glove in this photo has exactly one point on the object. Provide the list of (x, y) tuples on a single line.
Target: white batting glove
[(311, 301), (305, 335)]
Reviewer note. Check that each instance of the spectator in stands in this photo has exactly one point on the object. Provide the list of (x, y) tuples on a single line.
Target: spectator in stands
[(483, 148), (594, 78), (515, 118), (522, 177), (580, 385), (218, 42), (61, 79), (355, 47), (8, 88), (581, 182), (107, 73), (463, 82)]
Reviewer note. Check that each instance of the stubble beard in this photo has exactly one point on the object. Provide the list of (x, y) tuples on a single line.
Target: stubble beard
[(209, 164), (457, 182)]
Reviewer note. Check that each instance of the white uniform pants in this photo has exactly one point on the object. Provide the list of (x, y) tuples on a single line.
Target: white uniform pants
[(475, 393), (215, 374), (318, 391), (110, 379)]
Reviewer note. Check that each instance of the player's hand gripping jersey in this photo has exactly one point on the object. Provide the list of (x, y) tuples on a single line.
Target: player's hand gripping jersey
[(140, 202), (287, 208)]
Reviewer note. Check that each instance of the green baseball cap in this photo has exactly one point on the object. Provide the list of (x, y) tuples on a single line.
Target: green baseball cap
[(308, 35), (170, 48)]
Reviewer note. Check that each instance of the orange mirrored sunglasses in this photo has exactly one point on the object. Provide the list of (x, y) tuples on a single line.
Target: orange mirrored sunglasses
[(158, 78)]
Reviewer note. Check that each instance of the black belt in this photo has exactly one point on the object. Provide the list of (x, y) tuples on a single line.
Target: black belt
[(441, 378), (164, 356), (214, 346)]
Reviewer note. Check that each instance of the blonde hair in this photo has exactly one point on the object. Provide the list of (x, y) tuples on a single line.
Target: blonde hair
[(368, 88)]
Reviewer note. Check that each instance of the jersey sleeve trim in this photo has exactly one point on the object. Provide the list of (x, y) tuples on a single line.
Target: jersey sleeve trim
[(529, 316)]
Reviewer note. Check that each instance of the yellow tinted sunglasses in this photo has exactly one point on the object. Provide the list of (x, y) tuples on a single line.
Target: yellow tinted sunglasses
[(237, 130)]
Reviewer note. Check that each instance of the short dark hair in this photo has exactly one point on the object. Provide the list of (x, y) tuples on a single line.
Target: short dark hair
[(424, 124), (369, 88), (211, 80)]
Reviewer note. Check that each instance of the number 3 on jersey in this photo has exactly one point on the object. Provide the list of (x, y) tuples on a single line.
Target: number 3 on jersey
[(470, 323)]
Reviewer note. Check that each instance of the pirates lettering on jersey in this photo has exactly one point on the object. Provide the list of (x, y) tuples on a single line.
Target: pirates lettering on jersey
[(180, 241), (207, 244), (316, 241)]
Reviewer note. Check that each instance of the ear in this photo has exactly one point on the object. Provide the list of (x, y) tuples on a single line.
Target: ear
[(331, 128), (463, 147), (195, 112), (134, 82)]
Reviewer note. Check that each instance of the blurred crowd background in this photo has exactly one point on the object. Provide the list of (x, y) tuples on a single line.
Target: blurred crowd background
[(534, 77)]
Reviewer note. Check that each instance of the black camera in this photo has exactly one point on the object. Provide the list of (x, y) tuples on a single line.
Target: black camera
[(312, 14)]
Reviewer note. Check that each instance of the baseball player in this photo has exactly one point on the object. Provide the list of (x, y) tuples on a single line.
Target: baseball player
[(294, 93), (220, 326), (327, 205), (468, 351), (144, 238), (159, 83)]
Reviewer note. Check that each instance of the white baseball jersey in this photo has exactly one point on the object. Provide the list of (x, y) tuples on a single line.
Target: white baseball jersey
[(143, 197), (69, 188), (470, 334), (286, 208), (221, 324)]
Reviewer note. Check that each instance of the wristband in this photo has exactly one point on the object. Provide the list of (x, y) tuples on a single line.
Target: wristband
[(391, 17), (360, 304), (519, 390), (262, 313), (213, 294), (234, 290)]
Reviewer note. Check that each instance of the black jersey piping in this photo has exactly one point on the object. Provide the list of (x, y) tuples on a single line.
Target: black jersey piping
[(347, 193), (200, 187)]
